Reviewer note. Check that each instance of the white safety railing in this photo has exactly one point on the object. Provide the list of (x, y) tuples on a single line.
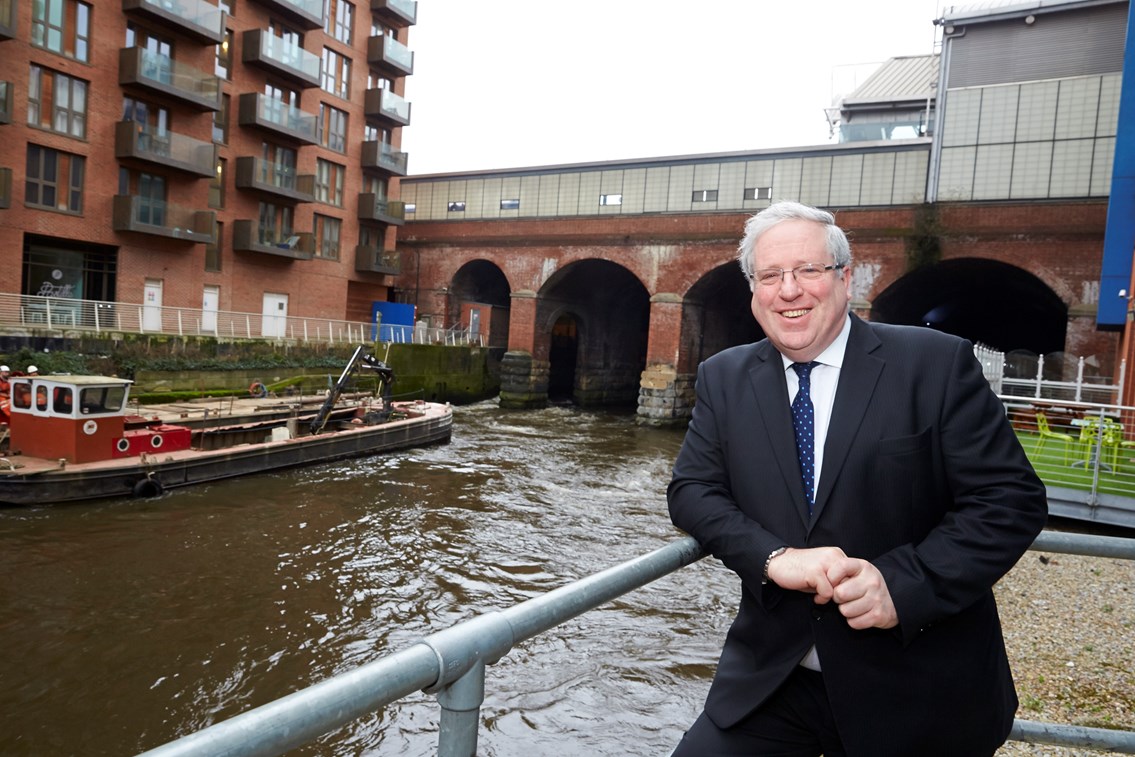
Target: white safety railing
[(64, 314)]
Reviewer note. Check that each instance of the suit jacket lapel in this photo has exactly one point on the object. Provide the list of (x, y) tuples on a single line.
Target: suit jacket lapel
[(857, 380), (771, 392)]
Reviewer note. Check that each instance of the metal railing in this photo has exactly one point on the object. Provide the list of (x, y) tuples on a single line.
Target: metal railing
[(33, 313), (452, 662)]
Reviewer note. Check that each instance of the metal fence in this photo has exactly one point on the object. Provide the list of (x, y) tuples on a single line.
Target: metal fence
[(452, 662), (35, 314)]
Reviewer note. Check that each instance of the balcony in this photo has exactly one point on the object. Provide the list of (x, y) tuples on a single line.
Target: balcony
[(274, 178), (5, 102), (278, 117), (144, 142), (384, 157), (5, 187), (373, 260), (161, 75), (264, 49), (308, 14), (9, 13), (198, 19), (161, 219), (386, 107), (396, 12), (390, 56), (246, 237), (375, 208)]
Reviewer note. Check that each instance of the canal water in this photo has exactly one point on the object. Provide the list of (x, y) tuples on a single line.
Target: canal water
[(125, 624)]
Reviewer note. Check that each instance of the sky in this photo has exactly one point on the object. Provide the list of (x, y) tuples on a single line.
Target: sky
[(517, 83)]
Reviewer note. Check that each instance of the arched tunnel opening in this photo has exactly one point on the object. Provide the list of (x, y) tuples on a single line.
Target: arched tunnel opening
[(717, 314), (985, 301), (479, 299), (595, 319)]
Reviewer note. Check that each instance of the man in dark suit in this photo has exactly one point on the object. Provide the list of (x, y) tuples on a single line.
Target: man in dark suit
[(864, 483)]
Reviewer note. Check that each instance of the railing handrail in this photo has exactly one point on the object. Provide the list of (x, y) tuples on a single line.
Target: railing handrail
[(451, 663), (63, 312)]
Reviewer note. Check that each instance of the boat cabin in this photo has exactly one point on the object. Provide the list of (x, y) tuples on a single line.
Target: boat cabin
[(78, 418)]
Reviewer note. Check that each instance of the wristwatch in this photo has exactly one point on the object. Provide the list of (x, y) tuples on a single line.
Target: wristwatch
[(775, 553)]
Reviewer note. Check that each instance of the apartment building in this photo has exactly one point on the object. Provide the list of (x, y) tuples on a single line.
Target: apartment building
[(239, 156)]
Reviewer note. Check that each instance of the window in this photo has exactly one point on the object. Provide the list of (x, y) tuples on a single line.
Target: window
[(228, 6), (329, 182), (57, 102), (332, 128), (378, 81), (375, 134), (151, 199), (371, 238), (610, 199), (54, 180), (758, 193), (336, 73), (705, 195), (457, 207), (217, 185), (278, 165), (221, 122), (153, 124), (338, 19), (223, 66), (327, 237), (213, 249), (275, 223), (62, 26), (510, 204), (411, 207)]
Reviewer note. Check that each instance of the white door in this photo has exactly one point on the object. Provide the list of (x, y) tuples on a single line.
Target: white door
[(275, 320), (152, 305), (209, 303)]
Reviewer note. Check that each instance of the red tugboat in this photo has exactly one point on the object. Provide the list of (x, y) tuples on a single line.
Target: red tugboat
[(72, 438)]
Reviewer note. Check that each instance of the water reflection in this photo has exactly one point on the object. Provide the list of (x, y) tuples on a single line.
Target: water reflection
[(127, 623)]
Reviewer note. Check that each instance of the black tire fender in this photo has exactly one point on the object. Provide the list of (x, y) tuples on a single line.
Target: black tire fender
[(148, 488)]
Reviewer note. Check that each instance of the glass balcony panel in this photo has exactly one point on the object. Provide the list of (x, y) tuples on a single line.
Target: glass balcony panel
[(390, 56), (276, 178), (385, 157), (162, 74), (248, 238), (369, 259), (307, 13), (196, 17), (151, 216), (257, 109), (397, 12), (144, 142), (387, 107), (281, 56), (373, 207)]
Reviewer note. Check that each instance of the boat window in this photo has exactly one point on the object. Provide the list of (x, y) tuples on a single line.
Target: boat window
[(61, 401), (41, 398), (22, 395), (102, 399)]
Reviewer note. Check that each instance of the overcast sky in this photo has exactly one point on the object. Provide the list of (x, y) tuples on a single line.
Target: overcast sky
[(511, 83)]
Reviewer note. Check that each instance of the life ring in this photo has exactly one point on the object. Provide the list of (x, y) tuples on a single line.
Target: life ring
[(258, 389), (147, 488)]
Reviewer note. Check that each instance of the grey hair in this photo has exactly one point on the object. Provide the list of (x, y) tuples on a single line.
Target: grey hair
[(786, 210)]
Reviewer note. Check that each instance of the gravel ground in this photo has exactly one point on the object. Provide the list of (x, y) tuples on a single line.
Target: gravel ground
[(1069, 624)]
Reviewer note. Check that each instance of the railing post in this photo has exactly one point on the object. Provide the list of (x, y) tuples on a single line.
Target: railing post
[(461, 713), (1080, 378), (1039, 374)]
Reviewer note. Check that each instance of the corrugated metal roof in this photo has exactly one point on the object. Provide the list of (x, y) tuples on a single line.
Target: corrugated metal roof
[(908, 78), (992, 10)]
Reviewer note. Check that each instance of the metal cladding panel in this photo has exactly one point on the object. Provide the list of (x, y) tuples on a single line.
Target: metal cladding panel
[(1087, 41)]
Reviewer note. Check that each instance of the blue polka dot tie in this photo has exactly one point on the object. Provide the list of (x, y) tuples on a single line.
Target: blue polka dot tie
[(803, 423)]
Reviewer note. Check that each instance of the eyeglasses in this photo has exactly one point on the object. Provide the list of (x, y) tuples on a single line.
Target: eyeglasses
[(804, 272)]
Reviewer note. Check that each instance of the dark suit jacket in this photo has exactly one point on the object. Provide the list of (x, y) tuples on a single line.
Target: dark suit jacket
[(923, 476)]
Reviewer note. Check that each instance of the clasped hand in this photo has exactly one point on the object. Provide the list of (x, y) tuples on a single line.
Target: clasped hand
[(855, 585)]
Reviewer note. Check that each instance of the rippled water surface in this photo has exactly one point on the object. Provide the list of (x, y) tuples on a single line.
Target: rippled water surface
[(125, 624)]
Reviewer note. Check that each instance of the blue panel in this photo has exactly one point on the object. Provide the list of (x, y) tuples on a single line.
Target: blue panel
[(396, 319), (1119, 238)]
